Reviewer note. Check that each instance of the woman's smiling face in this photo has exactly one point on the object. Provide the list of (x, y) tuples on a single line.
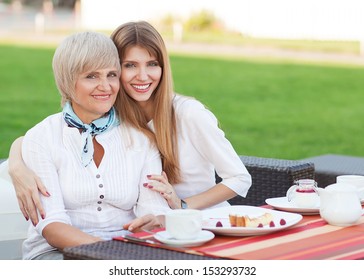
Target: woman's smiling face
[(95, 93), (140, 74)]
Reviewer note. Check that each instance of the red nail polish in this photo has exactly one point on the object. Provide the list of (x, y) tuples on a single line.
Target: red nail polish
[(43, 216), (150, 186), (148, 176), (48, 194), (145, 184)]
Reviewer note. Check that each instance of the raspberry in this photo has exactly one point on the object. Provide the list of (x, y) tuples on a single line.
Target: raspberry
[(218, 224), (282, 222), (260, 225), (271, 224)]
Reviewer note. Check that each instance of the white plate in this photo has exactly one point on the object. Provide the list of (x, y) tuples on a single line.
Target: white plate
[(212, 216), (164, 237), (282, 203)]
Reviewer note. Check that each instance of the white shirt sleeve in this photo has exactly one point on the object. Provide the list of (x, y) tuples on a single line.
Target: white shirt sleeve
[(150, 202), (37, 156), (211, 143)]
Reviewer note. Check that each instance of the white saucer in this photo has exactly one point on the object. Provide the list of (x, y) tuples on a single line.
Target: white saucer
[(282, 203), (164, 237)]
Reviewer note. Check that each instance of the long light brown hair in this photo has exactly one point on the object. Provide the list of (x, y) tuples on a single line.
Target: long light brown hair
[(144, 35)]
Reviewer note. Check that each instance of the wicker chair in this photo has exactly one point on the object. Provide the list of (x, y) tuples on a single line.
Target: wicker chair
[(329, 166), (271, 178)]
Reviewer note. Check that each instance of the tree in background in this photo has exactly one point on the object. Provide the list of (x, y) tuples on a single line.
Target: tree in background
[(203, 21)]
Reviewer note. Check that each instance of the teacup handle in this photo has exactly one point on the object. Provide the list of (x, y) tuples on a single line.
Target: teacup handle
[(360, 193), (196, 223)]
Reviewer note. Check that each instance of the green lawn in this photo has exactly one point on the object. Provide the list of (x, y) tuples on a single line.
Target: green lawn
[(280, 110), (269, 109)]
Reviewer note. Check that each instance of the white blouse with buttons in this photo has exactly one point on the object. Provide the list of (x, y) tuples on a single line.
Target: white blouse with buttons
[(96, 200), (204, 149)]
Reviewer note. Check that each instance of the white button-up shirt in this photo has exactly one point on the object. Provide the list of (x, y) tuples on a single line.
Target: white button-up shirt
[(98, 201)]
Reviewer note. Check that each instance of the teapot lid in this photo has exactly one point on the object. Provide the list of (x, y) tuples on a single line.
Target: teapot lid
[(341, 187)]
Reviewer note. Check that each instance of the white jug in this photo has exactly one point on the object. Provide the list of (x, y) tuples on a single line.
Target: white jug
[(340, 204)]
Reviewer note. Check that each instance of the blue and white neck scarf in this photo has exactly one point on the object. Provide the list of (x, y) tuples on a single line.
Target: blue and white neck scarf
[(89, 130)]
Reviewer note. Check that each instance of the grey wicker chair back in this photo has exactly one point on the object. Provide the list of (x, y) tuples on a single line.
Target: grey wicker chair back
[(329, 166), (271, 178)]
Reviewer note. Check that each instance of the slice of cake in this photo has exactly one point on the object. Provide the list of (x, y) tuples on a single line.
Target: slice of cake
[(246, 221)]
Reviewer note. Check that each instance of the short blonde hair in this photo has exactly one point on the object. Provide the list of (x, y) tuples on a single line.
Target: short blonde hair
[(79, 53)]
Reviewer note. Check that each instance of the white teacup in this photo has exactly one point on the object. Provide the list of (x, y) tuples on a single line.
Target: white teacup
[(184, 223), (303, 194), (356, 180)]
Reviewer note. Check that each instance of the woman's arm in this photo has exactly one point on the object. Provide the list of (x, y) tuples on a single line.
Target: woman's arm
[(26, 183), (60, 235), (212, 196)]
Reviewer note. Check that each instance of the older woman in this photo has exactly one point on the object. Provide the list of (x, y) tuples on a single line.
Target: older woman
[(93, 164)]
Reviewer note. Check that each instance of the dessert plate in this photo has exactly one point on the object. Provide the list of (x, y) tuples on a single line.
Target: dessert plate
[(211, 217), (282, 203), (164, 237)]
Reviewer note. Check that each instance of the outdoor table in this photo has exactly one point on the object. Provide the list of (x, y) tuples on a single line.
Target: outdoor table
[(311, 239)]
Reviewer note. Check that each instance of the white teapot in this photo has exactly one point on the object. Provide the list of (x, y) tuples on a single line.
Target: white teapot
[(340, 204)]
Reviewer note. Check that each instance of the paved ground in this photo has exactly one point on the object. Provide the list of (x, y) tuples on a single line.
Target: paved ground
[(28, 26)]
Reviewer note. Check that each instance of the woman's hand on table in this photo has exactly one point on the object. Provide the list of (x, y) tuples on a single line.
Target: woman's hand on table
[(159, 183), (148, 222)]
